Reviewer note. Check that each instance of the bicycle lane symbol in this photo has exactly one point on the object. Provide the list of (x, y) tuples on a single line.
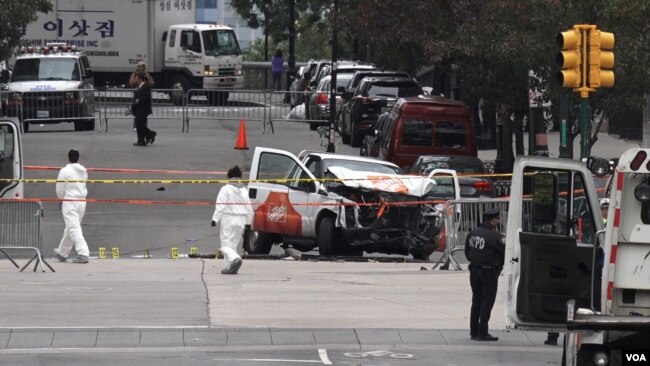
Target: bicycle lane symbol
[(379, 354)]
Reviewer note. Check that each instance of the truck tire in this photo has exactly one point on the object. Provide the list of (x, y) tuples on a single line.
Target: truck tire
[(260, 243), (180, 85), (79, 125), (327, 236), (90, 124)]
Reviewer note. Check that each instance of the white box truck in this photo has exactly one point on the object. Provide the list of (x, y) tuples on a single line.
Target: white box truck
[(116, 35)]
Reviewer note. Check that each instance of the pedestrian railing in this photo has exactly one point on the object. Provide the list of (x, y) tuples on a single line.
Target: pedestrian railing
[(84, 107), (21, 230)]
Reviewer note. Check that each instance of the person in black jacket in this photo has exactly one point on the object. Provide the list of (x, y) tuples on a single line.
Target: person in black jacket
[(484, 248), (141, 109)]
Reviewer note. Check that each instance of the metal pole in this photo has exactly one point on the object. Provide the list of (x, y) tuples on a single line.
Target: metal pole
[(332, 129), (292, 47), (585, 128), (566, 133)]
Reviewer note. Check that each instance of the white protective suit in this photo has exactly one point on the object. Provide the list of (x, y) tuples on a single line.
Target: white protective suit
[(73, 211), (233, 209)]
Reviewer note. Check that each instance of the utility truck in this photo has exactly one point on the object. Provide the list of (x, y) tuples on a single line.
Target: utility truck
[(116, 35), (568, 271)]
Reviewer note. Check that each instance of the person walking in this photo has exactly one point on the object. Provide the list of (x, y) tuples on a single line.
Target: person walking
[(485, 250), (233, 210), (141, 109), (71, 187), (277, 66), (140, 67)]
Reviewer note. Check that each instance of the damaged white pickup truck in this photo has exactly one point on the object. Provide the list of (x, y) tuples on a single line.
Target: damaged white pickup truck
[(343, 205)]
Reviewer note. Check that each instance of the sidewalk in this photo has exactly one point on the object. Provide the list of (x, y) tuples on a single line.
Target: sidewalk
[(607, 146), (187, 302)]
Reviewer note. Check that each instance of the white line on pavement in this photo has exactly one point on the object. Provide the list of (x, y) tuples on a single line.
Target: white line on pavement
[(265, 360), (323, 356)]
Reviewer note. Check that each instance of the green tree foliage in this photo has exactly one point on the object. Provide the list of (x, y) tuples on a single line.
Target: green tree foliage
[(17, 14)]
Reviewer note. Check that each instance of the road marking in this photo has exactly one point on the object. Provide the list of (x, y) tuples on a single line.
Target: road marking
[(265, 360), (323, 357)]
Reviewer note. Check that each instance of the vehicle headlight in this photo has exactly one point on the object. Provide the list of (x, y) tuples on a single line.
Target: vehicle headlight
[(601, 358), (238, 72)]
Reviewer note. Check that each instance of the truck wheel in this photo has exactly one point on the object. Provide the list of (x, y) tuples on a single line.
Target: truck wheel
[(79, 125), (326, 236), (90, 125), (180, 85), (260, 243)]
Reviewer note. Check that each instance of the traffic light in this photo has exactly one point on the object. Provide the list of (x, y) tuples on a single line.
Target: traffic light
[(569, 59), (601, 58)]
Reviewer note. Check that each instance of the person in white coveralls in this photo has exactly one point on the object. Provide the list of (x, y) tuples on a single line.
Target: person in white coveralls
[(73, 211), (233, 209)]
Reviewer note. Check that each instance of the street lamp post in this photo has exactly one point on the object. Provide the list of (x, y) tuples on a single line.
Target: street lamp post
[(332, 128)]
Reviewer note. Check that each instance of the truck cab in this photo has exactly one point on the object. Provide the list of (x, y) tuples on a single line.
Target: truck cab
[(11, 163), (203, 56), (52, 84), (569, 273)]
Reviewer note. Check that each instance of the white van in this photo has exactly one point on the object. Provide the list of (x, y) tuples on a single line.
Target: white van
[(52, 84)]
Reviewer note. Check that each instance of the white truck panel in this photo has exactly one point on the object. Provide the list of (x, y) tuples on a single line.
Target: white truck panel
[(114, 34)]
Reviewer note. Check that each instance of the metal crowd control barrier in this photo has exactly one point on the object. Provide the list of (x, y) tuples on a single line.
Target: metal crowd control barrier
[(77, 106), (462, 217), (291, 106), (221, 104), (116, 103), (20, 230)]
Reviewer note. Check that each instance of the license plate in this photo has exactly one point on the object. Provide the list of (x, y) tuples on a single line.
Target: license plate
[(42, 114)]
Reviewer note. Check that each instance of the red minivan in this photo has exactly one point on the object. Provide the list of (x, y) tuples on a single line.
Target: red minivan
[(424, 125)]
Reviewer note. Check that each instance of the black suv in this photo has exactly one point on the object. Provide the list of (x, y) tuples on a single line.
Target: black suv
[(374, 96)]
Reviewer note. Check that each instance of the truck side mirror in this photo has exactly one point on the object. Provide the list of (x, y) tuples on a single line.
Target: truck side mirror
[(4, 77)]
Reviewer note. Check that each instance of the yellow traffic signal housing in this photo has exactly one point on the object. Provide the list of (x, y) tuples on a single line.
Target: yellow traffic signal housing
[(601, 59), (570, 59)]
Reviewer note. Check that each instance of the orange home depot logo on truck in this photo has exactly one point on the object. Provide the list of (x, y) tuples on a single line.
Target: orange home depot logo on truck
[(277, 215)]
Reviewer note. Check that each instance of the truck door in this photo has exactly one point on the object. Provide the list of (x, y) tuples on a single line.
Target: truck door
[(281, 189), (11, 165), (553, 218)]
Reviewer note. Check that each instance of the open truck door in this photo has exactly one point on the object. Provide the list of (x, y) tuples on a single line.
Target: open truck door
[(11, 163), (282, 191), (551, 243)]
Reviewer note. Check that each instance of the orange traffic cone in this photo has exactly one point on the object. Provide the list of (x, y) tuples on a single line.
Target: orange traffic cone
[(241, 138)]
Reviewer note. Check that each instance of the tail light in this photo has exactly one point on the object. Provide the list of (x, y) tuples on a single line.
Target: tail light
[(322, 98), (482, 185), (638, 160)]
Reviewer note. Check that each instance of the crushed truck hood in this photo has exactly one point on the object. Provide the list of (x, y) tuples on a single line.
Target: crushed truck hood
[(405, 184)]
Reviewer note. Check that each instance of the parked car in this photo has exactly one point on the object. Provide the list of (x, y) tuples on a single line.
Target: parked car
[(325, 69), (373, 97), (299, 83), (339, 203), (424, 125), (361, 74), (319, 102), (471, 173)]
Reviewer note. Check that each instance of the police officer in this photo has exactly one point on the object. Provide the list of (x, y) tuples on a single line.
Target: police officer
[(484, 248)]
